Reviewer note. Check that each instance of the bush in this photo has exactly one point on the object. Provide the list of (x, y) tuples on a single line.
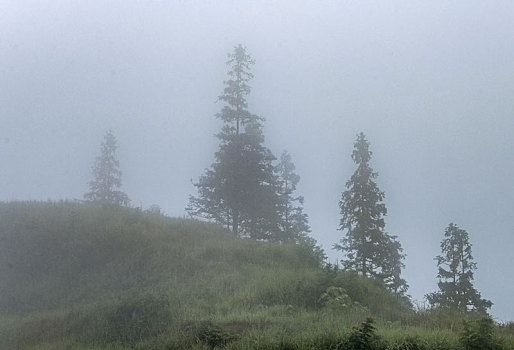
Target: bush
[(478, 335), (336, 299), (214, 336), (363, 337), (136, 318)]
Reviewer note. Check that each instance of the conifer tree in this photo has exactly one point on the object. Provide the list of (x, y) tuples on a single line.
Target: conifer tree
[(239, 189), (106, 183), (392, 265), (368, 248), (293, 222), (456, 266)]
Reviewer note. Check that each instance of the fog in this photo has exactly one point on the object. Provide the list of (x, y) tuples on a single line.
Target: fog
[(431, 84)]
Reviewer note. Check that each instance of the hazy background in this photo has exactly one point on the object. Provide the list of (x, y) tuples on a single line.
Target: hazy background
[(430, 83)]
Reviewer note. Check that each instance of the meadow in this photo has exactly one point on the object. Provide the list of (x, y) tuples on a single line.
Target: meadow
[(80, 276)]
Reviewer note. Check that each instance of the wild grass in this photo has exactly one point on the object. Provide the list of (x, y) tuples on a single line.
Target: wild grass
[(79, 276)]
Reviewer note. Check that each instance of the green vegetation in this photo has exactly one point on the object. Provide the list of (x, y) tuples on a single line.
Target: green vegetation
[(456, 266), (82, 276), (368, 248), (244, 190)]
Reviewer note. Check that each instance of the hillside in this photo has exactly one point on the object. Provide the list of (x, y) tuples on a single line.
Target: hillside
[(78, 276)]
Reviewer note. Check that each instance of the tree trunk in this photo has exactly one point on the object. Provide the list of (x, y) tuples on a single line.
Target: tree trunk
[(235, 223)]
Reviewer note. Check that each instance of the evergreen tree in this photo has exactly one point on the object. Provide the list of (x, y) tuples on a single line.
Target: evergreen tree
[(368, 249), (104, 188), (315, 253), (239, 189), (455, 274), (293, 222), (392, 265)]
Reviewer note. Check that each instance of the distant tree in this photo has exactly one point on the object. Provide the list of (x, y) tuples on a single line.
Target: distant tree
[(456, 266), (293, 222), (239, 189), (104, 188), (368, 248)]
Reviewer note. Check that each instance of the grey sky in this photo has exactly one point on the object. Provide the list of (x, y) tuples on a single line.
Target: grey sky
[(431, 84)]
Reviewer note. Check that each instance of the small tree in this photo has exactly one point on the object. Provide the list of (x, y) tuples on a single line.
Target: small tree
[(363, 337), (293, 222), (455, 275), (104, 188), (369, 249)]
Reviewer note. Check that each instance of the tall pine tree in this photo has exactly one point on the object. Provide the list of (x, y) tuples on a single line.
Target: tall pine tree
[(368, 248), (239, 189), (106, 183), (456, 266)]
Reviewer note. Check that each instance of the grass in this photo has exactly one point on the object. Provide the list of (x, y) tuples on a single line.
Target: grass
[(79, 276)]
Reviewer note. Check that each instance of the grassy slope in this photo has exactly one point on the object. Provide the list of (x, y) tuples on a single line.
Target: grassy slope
[(76, 276)]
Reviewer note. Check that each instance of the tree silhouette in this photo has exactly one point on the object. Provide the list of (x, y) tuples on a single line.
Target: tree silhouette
[(239, 189), (293, 222), (368, 248), (104, 188), (456, 266)]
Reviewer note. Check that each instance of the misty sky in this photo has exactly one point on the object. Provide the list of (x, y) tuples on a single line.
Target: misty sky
[(431, 84)]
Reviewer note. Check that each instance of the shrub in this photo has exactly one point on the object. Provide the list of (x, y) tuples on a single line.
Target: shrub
[(136, 318), (214, 336), (478, 335), (363, 337), (336, 299)]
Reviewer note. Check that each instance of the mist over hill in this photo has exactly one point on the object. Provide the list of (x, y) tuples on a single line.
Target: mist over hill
[(429, 83), (83, 276)]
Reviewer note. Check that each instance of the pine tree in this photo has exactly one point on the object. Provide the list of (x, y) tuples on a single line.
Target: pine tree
[(239, 189), (368, 248), (456, 266), (293, 222), (104, 188), (392, 265)]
